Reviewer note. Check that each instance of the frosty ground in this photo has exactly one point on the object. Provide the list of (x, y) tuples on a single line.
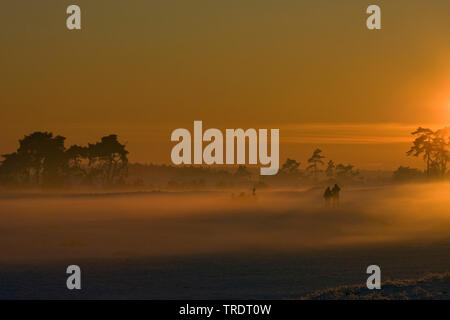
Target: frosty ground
[(281, 244)]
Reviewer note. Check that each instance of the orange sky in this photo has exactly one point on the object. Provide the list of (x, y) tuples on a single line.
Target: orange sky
[(143, 68)]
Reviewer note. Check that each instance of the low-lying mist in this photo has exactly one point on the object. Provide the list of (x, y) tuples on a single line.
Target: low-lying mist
[(155, 224)]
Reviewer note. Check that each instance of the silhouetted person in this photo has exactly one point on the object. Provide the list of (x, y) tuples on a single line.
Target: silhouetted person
[(335, 195), (254, 191), (327, 196)]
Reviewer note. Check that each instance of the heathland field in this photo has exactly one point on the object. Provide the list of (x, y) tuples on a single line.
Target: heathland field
[(277, 244)]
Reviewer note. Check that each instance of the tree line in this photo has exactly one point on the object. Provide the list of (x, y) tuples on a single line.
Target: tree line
[(43, 160), (432, 145), (316, 166)]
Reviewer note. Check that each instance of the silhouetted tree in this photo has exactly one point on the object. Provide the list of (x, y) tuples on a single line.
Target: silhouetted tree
[(434, 147), (290, 167), (315, 161), (14, 170), (108, 159), (39, 160), (423, 144), (346, 171), (330, 170), (79, 166), (441, 153)]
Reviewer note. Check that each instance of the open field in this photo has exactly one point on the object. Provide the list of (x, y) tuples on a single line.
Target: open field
[(279, 244)]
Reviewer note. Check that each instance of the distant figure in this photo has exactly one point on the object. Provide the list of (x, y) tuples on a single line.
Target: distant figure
[(327, 196), (254, 191), (335, 195)]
